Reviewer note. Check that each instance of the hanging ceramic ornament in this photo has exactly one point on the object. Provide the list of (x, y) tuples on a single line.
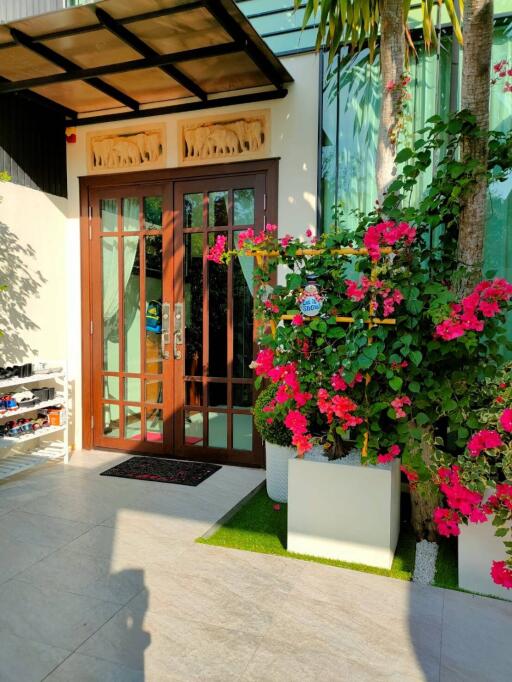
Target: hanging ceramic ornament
[(310, 301)]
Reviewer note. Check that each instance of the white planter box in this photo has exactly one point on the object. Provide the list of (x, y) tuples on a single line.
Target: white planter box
[(344, 511), (276, 460), (478, 548)]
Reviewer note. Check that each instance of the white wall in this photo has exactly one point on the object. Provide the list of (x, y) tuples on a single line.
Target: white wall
[(293, 138), (33, 265)]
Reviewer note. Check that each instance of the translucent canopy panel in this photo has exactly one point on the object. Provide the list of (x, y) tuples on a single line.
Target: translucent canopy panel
[(92, 49), (177, 32), (55, 22), (18, 63), (152, 85), (124, 56), (120, 8), (78, 96), (222, 74)]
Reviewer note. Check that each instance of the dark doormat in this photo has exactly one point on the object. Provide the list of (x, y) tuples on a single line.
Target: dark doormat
[(163, 470)]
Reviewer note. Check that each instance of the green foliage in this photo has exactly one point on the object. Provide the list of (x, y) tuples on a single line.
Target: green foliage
[(274, 432), (356, 22)]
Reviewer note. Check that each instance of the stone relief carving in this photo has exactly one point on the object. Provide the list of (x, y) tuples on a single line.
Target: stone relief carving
[(129, 148), (224, 137)]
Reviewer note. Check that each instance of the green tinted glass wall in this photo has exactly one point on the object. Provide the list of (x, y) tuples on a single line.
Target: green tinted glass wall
[(351, 103), (498, 243)]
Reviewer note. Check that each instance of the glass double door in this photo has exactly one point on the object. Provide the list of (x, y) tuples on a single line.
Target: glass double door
[(172, 332)]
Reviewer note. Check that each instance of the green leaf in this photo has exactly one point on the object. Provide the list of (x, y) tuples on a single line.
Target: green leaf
[(414, 387), (396, 383), (422, 418), (403, 155), (416, 356)]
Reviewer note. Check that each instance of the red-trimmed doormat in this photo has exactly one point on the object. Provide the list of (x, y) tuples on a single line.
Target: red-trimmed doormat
[(163, 470)]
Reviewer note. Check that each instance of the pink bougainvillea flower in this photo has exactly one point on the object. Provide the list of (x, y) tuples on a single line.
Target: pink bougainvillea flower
[(447, 522), (458, 496), (389, 456), (388, 233), (297, 320), (269, 420), (390, 85), (485, 299), (484, 440), (410, 475), (284, 241), (264, 362), (501, 574), (217, 249), (246, 236), (309, 232), (398, 404), (271, 307), (506, 419)]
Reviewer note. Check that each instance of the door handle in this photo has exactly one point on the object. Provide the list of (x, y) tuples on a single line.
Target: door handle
[(166, 326), (178, 330)]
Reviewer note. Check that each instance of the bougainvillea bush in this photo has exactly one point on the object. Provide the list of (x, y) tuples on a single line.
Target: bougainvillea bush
[(477, 485), (402, 389)]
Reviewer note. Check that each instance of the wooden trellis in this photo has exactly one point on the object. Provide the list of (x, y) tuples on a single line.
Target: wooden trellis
[(262, 256)]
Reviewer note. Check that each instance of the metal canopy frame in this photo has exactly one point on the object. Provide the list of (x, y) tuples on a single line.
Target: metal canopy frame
[(243, 40)]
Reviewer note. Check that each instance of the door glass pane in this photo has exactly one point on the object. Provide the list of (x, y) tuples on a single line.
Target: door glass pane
[(111, 421), (217, 209), (154, 425), (193, 210), (217, 430), (153, 303), (131, 214), (131, 304), (242, 395), (108, 211), (110, 307), (217, 316), (111, 388), (152, 213), (154, 391), (132, 389), (242, 316), (218, 395), (242, 432), (243, 207), (193, 267), (193, 393), (132, 422), (193, 428)]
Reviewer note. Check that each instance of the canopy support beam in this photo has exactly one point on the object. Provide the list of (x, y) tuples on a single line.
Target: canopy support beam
[(146, 50), (122, 67), (231, 100), (67, 65), (238, 34)]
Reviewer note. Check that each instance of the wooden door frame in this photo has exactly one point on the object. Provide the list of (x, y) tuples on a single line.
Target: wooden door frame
[(91, 183)]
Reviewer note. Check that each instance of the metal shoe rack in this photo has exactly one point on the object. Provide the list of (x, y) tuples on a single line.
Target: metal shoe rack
[(19, 453)]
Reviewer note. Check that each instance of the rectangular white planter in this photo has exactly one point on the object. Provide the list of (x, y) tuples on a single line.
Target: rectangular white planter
[(478, 548), (343, 511)]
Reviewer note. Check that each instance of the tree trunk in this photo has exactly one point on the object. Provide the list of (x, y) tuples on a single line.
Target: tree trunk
[(476, 67), (392, 55), (425, 496), (424, 499)]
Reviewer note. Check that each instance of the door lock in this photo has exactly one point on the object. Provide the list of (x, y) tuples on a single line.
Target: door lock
[(166, 327)]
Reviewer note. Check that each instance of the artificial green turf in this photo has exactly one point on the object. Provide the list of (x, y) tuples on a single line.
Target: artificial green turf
[(257, 527), (447, 565)]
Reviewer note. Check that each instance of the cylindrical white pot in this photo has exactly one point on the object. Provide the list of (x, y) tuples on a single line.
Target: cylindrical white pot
[(277, 458)]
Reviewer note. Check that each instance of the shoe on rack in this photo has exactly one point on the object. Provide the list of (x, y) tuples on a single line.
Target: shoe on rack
[(25, 398)]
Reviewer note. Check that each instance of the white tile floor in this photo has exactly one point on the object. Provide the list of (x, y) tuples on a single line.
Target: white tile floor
[(101, 581)]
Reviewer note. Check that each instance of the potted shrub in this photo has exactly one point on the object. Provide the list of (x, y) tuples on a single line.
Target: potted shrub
[(278, 441), (477, 495)]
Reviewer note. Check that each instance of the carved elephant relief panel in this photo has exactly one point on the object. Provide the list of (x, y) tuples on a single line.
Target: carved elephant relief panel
[(234, 136), (126, 149)]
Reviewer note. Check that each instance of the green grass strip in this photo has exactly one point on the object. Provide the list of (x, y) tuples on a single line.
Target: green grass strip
[(257, 527)]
